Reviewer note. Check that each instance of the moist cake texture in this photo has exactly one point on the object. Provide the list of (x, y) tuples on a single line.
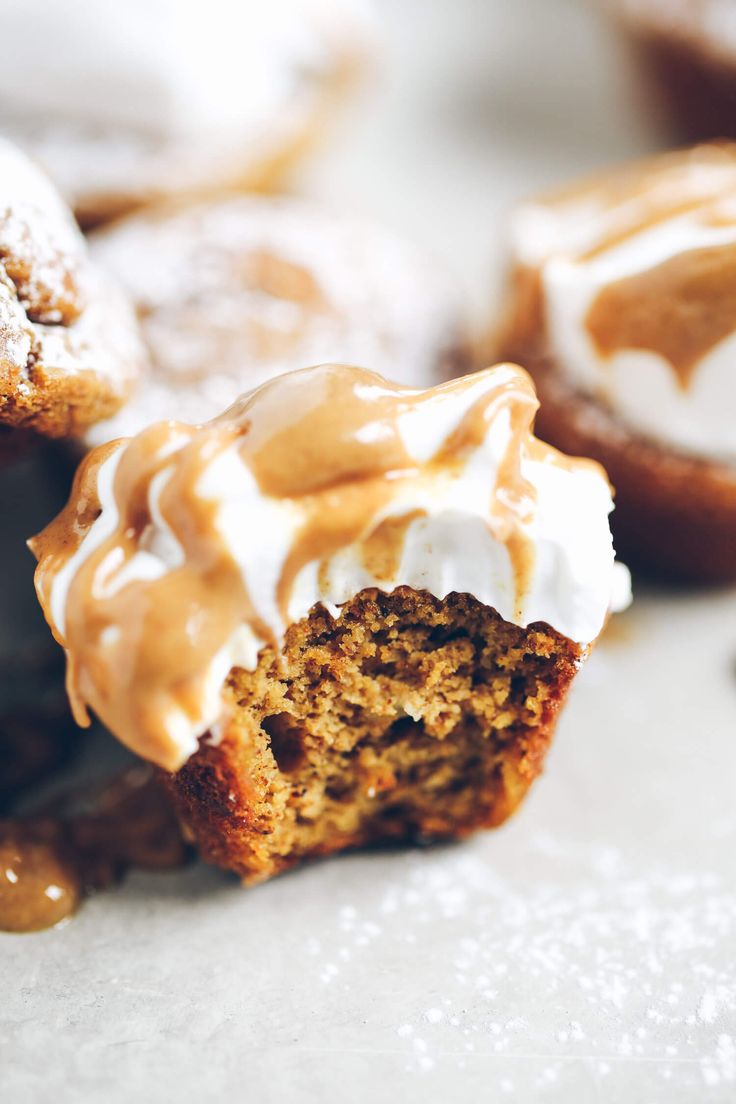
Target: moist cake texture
[(409, 718)]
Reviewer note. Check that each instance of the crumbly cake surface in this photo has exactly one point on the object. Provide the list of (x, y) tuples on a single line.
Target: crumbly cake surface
[(69, 347), (675, 514), (408, 718)]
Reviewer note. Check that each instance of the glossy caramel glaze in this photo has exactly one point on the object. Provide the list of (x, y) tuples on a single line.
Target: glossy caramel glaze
[(49, 863), (328, 445), (682, 303)]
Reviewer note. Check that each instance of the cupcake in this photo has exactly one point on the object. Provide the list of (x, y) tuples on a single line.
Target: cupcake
[(176, 97), (233, 292), (622, 305), (69, 343), (344, 612), (686, 52)]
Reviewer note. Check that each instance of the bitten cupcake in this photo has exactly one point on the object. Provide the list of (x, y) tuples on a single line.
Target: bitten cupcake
[(342, 612), (234, 292), (622, 305), (686, 53), (128, 104), (69, 343)]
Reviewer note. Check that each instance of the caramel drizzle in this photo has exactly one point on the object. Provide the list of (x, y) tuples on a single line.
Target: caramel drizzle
[(49, 863), (640, 196), (327, 439), (382, 550), (681, 309), (684, 307)]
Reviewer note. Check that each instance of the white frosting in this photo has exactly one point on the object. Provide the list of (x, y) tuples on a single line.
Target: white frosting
[(639, 385), (574, 580), (139, 94), (377, 300)]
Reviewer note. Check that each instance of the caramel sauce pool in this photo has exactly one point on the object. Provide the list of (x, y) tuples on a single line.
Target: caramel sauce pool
[(39, 886), (48, 865)]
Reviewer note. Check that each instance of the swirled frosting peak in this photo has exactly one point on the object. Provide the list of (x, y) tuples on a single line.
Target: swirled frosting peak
[(185, 550)]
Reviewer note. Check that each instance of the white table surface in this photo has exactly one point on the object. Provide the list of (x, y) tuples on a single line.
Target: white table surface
[(586, 951)]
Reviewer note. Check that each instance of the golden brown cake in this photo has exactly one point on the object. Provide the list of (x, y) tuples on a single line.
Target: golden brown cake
[(177, 98), (430, 719), (685, 52), (622, 305), (69, 343), (341, 613), (234, 292)]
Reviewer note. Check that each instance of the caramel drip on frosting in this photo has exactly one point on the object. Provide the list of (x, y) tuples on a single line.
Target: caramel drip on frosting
[(628, 200), (681, 309), (330, 444), (313, 431), (383, 548), (651, 211)]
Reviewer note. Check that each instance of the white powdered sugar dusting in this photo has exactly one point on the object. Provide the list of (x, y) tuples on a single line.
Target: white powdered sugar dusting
[(236, 292), (601, 976), (58, 313), (41, 248)]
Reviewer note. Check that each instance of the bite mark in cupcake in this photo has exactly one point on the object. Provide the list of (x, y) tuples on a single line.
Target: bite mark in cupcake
[(337, 580)]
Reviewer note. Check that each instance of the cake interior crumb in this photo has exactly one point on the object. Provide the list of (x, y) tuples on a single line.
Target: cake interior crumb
[(407, 718)]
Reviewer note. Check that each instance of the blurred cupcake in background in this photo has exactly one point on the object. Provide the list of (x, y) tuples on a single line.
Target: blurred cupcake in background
[(686, 53), (622, 305), (134, 103), (235, 291)]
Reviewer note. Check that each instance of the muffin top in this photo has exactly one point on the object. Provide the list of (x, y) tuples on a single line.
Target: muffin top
[(186, 550), (628, 281), (234, 292), (69, 347), (187, 95)]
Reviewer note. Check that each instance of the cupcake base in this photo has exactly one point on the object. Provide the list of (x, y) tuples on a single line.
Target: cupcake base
[(675, 515), (407, 719)]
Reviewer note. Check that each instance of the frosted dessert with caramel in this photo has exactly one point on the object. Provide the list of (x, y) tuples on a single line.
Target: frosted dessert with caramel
[(686, 53), (622, 305), (69, 343), (234, 292), (344, 611), (175, 98)]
